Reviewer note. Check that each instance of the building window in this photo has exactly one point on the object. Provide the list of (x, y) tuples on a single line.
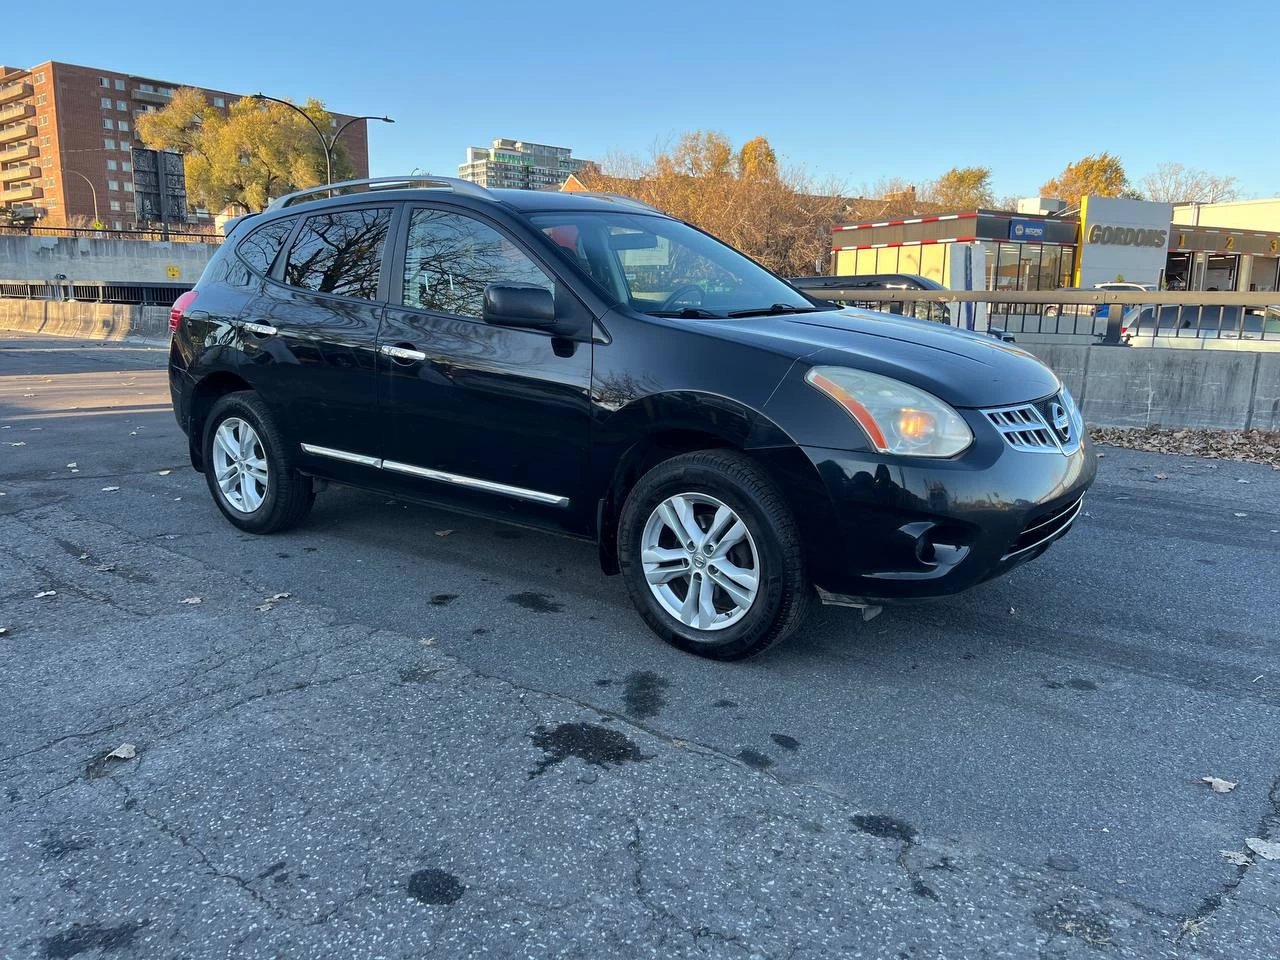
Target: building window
[(123, 125), (44, 141), (113, 184), (43, 121), (104, 82), (119, 225), (146, 88), (126, 145), (108, 124), (49, 181), (121, 105), (128, 207), (128, 187), (106, 103), (119, 84), (111, 164), (108, 144), (115, 205), (40, 77), (219, 101), (126, 166), (42, 99)]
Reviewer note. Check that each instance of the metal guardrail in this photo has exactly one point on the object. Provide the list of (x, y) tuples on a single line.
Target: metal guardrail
[(87, 233), (142, 294), (1113, 317)]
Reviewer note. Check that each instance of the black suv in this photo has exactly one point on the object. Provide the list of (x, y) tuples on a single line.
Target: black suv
[(585, 364)]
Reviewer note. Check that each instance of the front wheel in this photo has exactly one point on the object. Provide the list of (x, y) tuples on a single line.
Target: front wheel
[(248, 469), (711, 555)]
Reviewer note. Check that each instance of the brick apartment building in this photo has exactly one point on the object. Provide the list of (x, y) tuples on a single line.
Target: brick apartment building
[(64, 126)]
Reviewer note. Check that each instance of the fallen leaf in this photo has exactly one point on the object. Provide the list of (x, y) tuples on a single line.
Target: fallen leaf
[(164, 473), (1162, 476), (1236, 857), (192, 600), (1238, 514), (133, 433), (4, 631), (28, 394), (1241, 480), (1266, 849), (427, 641), (72, 465), (1218, 785), (277, 596), (19, 443), (443, 533), (109, 489), (263, 608), (46, 593), (176, 499), (83, 556), (107, 568), (126, 751), (1013, 609)]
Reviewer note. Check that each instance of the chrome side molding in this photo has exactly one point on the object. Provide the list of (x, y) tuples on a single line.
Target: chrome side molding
[(457, 479)]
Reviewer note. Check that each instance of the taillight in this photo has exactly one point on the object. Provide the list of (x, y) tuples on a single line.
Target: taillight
[(180, 306)]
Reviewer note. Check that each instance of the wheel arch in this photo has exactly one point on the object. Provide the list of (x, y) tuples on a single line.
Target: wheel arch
[(203, 396), (659, 428)]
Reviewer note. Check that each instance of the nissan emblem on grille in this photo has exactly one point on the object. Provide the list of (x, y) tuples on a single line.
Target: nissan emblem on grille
[(1061, 421)]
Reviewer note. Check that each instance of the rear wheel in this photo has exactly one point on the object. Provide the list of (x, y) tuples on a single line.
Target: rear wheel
[(247, 467), (711, 555)]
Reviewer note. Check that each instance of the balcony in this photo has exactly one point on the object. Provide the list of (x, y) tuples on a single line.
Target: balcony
[(23, 151), (151, 96), (19, 131), (27, 191), (15, 91), (16, 111), (15, 174)]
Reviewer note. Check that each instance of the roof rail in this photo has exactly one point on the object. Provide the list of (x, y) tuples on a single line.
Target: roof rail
[(463, 187), (617, 198)]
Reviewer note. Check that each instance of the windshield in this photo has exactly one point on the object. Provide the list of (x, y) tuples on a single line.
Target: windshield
[(666, 268)]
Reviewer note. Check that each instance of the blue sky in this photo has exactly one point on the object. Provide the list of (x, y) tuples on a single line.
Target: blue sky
[(851, 91)]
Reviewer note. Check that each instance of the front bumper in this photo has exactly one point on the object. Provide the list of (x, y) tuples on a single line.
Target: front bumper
[(902, 529)]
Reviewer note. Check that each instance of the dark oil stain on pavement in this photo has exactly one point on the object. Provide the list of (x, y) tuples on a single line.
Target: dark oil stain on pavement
[(785, 742), (537, 602), (417, 675), (596, 745), (55, 847), (1075, 683), (79, 938), (885, 827), (754, 759), (443, 599), (722, 704), (435, 887), (642, 694)]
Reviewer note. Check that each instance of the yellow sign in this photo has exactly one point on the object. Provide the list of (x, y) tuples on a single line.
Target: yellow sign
[(174, 271)]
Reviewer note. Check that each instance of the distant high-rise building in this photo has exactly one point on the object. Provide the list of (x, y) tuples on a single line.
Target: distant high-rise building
[(67, 136), (519, 164)]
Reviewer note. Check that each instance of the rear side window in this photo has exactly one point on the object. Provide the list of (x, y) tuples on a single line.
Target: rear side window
[(261, 247), (340, 253)]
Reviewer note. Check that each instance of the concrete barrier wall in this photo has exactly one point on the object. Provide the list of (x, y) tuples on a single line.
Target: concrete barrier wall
[(31, 259), (1142, 387), (89, 321)]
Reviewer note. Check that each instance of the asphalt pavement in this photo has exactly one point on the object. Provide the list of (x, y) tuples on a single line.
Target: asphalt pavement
[(398, 732)]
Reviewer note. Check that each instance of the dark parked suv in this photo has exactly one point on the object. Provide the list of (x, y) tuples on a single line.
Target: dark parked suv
[(588, 365)]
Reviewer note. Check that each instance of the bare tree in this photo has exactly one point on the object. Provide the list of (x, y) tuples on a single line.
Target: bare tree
[(1174, 183)]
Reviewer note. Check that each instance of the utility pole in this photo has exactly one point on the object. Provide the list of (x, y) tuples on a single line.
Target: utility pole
[(92, 189)]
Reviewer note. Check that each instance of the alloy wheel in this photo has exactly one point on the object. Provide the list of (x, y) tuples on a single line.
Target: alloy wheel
[(700, 561), (240, 465)]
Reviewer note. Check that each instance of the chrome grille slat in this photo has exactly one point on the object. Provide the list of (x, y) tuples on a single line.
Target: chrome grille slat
[(1025, 428)]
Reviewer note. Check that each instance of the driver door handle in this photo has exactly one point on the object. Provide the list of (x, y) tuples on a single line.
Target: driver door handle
[(402, 354), (261, 329)]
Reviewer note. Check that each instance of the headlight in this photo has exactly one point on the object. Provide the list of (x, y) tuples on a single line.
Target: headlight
[(897, 417)]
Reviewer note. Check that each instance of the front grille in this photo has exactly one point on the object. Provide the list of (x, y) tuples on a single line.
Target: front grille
[(1044, 528), (1034, 428)]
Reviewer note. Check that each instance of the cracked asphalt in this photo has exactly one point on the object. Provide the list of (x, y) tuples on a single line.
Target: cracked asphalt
[(469, 746)]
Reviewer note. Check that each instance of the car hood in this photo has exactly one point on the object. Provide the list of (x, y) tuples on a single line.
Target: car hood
[(964, 369)]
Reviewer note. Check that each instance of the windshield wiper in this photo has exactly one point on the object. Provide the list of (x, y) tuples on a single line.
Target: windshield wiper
[(687, 313), (774, 310)]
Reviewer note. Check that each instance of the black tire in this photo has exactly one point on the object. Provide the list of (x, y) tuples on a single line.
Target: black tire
[(289, 495), (782, 597)]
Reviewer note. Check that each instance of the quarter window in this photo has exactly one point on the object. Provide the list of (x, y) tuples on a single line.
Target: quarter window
[(340, 253), (451, 259), (261, 247)]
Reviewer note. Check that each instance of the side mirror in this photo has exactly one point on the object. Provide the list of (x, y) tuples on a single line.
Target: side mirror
[(519, 305)]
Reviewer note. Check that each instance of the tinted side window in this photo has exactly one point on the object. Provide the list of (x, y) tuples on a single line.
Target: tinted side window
[(261, 247), (340, 252), (450, 259)]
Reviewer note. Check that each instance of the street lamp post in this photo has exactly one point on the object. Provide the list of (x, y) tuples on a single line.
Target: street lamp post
[(92, 189), (326, 143)]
